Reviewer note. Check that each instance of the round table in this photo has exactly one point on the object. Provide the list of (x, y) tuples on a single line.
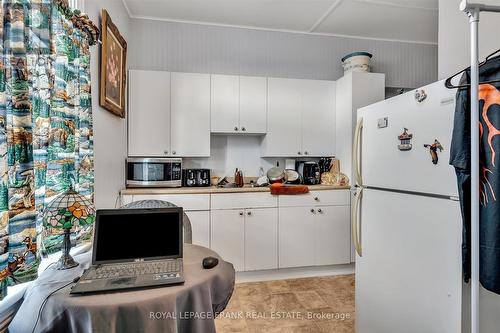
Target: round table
[(190, 307)]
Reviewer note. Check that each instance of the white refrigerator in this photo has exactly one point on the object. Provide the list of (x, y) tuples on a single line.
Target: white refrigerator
[(406, 216)]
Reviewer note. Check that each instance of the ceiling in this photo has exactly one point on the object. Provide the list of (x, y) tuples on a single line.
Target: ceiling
[(402, 20)]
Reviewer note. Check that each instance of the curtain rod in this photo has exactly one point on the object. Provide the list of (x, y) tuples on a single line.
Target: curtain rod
[(466, 6), (80, 20)]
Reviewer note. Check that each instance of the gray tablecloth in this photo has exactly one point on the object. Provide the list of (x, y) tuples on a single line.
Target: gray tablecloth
[(190, 307)]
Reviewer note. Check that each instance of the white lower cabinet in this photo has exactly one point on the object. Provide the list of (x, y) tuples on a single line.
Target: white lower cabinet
[(186, 201), (317, 236), (248, 238), (200, 227), (258, 231), (333, 235), (261, 239), (228, 236), (196, 207), (296, 237)]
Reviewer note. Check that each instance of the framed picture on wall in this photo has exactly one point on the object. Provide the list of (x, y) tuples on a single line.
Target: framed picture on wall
[(113, 80)]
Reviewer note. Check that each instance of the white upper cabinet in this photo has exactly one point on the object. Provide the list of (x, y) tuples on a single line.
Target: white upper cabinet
[(284, 123), (169, 114), (301, 118), (173, 114), (253, 104), (318, 118), (225, 101), (353, 91), (149, 113), (190, 114), (238, 104)]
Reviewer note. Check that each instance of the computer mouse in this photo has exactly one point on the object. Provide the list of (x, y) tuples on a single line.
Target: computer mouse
[(210, 262)]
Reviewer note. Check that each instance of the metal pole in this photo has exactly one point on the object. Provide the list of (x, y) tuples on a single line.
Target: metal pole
[(474, 138), (474, 133), (473, 10)]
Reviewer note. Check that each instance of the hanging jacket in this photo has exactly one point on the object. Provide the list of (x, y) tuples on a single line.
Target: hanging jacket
[(489, 172)]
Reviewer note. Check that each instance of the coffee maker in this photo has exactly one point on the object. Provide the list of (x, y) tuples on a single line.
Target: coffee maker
[(310, 172)]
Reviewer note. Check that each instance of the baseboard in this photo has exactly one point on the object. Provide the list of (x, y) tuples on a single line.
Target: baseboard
[(294, 273)]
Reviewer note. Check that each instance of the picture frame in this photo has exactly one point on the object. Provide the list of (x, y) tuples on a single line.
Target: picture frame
[(113, 78)]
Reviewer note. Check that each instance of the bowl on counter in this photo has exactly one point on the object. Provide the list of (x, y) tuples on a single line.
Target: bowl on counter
[(214, 180)]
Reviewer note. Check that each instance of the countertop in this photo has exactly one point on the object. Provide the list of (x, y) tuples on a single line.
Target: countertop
[(215, 190)]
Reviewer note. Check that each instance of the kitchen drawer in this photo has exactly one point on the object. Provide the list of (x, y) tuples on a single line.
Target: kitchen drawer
[(190, 202), (317, 198), (243, 200)]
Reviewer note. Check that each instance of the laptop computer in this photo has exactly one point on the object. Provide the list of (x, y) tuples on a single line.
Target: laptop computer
[(134, 248)]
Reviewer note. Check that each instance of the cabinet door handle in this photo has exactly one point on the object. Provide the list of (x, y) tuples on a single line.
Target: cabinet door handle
[(241, 213), (313, 211), (249, 213), (174, 152), (243, 129), (165, 152), (299, 153), (320, 211), (316, 199), (306, 153), (235, 128)]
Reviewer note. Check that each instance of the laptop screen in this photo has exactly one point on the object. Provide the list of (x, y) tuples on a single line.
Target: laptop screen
[(123, 235)]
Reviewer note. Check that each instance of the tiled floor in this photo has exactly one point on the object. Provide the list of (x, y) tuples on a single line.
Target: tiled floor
[(323, 304)]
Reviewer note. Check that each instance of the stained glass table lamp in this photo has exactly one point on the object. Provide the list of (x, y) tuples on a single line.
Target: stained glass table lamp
[(67, 211)]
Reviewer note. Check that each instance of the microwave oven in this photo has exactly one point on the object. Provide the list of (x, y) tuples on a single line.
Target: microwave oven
[(154, 172)]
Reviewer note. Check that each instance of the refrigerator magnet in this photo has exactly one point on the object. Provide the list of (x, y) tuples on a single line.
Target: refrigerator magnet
[(433, 150), (405, 139), (420, 95)]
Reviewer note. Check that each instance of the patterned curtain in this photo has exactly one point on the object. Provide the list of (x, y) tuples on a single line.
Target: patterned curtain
[(45, 126)]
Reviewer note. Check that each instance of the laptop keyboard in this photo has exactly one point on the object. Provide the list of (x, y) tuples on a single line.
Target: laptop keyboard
[(135, 269)]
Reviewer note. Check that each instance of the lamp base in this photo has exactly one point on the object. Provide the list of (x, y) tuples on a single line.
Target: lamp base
[(66, 261)]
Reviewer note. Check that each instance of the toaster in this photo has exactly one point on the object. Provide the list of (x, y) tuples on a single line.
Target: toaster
[(195, 177)]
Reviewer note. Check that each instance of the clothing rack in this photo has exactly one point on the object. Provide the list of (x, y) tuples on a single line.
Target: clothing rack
[(473, 10)]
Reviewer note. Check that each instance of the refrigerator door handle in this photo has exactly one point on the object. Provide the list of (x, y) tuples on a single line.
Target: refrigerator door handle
[(355, 221), (356, 153)]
